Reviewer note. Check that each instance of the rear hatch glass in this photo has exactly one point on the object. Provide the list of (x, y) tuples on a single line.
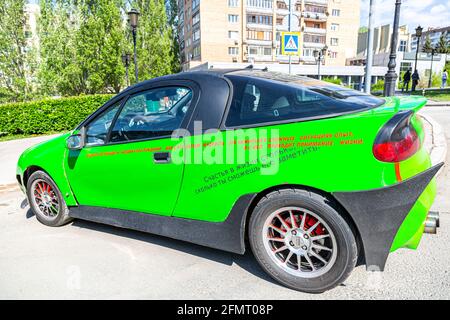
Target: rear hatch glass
[(266, 97)]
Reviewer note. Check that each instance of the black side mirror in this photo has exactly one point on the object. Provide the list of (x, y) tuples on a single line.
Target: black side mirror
[(77, 141)]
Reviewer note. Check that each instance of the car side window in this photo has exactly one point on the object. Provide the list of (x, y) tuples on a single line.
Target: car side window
[(153, 113), (97, 130), (258, 101)]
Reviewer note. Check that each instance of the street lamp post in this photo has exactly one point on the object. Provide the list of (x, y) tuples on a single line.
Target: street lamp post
[(369, 59), (320, 56), (419, 30), (390, 79), (133, 16), (126, 59), (433, 52)]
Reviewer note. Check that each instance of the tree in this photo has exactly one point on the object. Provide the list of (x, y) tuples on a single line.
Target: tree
[(173, 22), (16, 53), (100, 42), (58, 72), (154, 39), (443, 45), (427, 46), (81, 46)]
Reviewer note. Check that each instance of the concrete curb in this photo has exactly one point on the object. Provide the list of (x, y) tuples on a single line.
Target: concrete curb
[(438, 151), (431, 103)]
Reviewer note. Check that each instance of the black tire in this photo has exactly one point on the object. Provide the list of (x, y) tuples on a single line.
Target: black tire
[(62, 216), (347, 253)]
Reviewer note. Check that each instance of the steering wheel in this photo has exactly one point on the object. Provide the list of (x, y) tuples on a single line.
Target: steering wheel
[(131, 124)]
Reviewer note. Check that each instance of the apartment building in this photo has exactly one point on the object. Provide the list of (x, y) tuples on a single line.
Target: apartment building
[(382, 38), (32, 12), (434, 34), (250, 30)]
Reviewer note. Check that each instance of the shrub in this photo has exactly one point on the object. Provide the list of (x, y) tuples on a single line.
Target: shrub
[(332, 80), (379, 86), (46, 116)]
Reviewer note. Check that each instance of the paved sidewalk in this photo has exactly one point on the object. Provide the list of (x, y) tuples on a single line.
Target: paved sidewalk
[(435, 141), (10, 152), (432, 103)]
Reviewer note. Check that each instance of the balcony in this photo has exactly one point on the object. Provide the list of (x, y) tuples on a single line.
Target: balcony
[(255, 42), (319, 45), (314, 16), (308, 59), (315, 30), (285, 59), (258, 26), (260, 6), (322, 2), (259, 58)]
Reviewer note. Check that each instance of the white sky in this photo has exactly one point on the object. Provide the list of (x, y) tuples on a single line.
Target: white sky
[(427, 13)]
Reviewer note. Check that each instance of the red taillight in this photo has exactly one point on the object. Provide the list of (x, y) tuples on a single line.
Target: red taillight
[(397, 140)]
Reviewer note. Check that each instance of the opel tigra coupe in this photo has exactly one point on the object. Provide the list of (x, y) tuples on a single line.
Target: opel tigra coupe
[(314, 178)]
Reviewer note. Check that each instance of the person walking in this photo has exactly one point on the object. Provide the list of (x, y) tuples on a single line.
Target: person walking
[(406, 80), (415, 80), (444, 79)]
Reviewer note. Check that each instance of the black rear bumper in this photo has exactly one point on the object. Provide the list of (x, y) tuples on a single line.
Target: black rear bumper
[(379, 213)]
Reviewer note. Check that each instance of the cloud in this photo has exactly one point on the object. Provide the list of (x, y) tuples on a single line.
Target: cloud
[(427, 13)]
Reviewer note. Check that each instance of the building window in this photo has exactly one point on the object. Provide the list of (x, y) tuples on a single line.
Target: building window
[(308, 52), (196, 19), (233, 3), (234, 35), (259, 51), (266, 4), (196, 35), (334, 41), (196, 51), (334, 27), (314, 38), (333, 54), (233, 51), (260, 19), (315, 9), (405, 66), (233, 18), (259, 35), (195, 4), (402, 46), (336, 12)]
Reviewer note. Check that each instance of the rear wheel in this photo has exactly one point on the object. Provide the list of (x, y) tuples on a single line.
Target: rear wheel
[(302, 241), (46, 200)]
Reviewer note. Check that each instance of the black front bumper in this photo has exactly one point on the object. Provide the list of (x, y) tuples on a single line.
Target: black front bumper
[(379, 213)]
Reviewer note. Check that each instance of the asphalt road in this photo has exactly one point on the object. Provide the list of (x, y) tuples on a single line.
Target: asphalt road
[(90, 261)]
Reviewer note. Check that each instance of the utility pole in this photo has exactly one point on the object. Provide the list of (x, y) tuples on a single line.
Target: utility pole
[(290, 29), (369, 59)]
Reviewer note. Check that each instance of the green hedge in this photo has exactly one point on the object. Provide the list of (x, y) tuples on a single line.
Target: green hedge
[(46, 116)]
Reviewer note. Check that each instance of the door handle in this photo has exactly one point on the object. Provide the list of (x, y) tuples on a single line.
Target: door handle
[(161, 157)]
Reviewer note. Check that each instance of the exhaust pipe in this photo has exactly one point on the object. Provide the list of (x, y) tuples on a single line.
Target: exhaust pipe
[(434, 215), (432, 222)]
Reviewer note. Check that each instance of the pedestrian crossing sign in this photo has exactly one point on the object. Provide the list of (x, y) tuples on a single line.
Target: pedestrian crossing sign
[(290, 43)]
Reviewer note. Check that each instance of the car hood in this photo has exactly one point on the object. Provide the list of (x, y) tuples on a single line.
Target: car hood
[(58, 141)]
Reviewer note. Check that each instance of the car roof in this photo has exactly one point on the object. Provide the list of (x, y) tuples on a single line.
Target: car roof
[(246, 72)]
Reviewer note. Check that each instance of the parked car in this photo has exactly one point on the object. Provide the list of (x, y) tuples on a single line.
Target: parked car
[(313, 177)]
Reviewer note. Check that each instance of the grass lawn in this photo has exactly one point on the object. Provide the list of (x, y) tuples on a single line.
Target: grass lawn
[(436, 95)]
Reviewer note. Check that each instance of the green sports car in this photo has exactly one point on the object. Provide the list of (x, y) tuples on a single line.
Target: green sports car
[(313, 177)]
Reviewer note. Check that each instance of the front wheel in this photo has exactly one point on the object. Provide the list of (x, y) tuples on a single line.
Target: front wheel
[(46, 200), (302, 241)]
